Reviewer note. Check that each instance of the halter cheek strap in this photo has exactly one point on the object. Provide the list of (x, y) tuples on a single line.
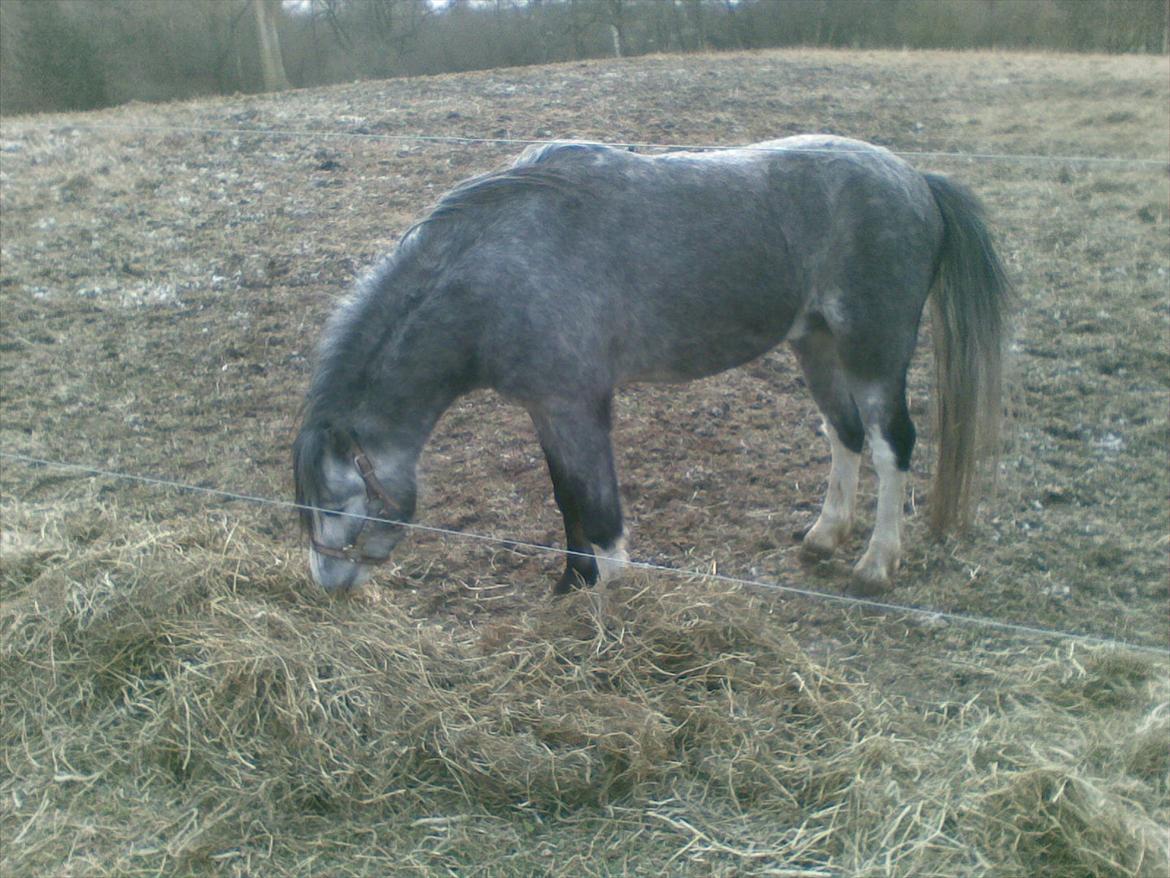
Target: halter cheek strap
[(375, 492)]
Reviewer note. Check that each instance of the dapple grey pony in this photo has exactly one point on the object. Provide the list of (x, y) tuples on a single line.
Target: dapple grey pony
[(583, 267)]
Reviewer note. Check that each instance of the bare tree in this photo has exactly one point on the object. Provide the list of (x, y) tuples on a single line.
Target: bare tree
[(268, 41), (617, 26), (581, 18)]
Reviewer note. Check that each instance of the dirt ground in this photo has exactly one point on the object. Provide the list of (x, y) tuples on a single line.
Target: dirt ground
[(167, 270), (163, 289)]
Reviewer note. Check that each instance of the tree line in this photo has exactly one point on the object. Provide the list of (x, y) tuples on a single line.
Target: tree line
[(83, 54)]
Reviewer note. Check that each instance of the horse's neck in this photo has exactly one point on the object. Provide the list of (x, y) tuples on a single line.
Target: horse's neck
[(421, 367), (406, 409)]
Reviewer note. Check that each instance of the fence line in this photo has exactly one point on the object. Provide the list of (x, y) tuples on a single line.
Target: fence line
[(933, 615), (515, 141), (849, 600)]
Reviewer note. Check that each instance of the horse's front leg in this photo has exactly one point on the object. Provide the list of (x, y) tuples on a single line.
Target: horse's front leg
[(575, 437)]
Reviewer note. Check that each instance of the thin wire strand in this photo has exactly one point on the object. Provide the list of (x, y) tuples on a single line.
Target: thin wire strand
[(666, 147), (866, 603)]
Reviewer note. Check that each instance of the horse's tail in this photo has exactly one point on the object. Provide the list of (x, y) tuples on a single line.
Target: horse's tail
[(970, 299)]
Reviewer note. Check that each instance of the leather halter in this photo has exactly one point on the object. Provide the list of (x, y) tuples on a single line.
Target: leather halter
[(386, 511)]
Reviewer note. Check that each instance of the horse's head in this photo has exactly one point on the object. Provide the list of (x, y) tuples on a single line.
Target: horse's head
[(351, 496)]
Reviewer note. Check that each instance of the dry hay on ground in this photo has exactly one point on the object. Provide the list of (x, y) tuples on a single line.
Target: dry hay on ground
[(176, 700)]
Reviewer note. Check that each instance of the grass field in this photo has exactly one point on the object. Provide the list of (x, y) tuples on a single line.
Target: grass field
[(177, 699)]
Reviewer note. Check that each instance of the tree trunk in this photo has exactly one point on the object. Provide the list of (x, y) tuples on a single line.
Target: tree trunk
[(268, 41), (617, 27), (1166, 30)]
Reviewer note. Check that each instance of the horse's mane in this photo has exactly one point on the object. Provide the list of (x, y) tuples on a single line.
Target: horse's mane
[(383, 299), (308, 450), (554, 166)]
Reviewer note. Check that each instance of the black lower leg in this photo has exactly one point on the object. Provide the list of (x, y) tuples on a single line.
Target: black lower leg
[(580, 566), (900, 433), (580, 462)]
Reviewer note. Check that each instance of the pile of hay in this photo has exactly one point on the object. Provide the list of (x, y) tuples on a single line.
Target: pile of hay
[(175, 699)]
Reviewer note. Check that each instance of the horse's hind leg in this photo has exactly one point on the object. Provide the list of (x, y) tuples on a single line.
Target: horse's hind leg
[(859, 384), (825, 376), (891, 435), (576, 441)]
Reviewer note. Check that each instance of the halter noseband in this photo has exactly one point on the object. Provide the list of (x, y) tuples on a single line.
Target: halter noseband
[(375, 492)]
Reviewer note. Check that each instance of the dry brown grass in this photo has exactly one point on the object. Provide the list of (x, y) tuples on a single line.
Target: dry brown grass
[(177, 701)]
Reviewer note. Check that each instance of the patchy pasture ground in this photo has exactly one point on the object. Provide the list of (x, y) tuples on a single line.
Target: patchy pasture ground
[(175, 698)]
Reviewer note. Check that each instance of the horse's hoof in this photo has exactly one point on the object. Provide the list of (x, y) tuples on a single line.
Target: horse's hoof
[(823, 539), (819, 545), (869, 580), (874, 572), (570, 581), (815, 552), (866, 587)]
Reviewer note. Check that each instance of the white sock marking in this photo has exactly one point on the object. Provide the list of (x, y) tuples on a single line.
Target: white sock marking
[(611, 561), (885, 546), (836, 518)]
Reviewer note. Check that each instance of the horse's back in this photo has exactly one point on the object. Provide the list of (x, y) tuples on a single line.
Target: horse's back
[(597, 262), (806, 194)]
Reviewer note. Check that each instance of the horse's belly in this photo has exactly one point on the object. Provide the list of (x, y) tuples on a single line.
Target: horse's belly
[(700, 348)]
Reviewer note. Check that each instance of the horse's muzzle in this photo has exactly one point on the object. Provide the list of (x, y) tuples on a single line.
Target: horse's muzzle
[(337, 574)]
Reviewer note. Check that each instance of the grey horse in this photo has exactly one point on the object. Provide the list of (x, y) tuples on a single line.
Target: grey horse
[(583, 267)]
